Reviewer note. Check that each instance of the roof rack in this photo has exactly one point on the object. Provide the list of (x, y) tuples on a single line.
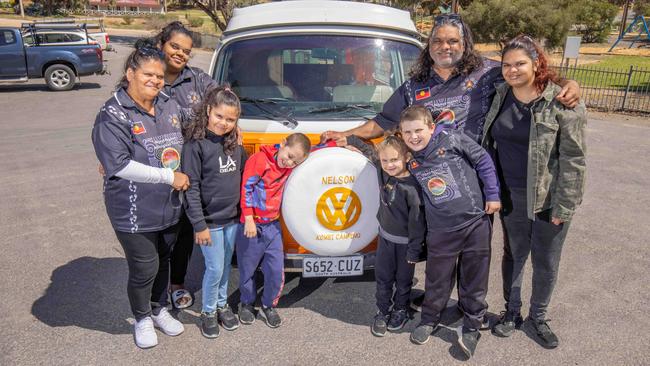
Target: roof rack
[(33, 28)]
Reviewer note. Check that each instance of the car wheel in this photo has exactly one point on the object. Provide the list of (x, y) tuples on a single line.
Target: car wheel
[(59, 77)]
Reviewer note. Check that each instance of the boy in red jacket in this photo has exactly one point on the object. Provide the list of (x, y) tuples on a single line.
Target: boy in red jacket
[(263, 182)]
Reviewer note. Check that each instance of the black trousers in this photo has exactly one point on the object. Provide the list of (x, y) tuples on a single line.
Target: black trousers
[(392, 270), (147, 255), (465, 254), (182, 252), (539, 239)]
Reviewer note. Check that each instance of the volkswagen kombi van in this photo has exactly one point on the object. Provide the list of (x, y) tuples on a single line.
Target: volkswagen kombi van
[(312, 66)]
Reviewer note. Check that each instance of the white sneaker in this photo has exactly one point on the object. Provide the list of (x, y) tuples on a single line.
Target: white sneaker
[(167, 323), (145, 334)]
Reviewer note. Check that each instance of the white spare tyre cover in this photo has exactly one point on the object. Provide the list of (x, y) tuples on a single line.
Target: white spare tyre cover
[(330, 202)]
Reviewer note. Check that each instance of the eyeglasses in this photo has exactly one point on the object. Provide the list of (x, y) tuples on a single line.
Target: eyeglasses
[(447, 18), (176, 47)]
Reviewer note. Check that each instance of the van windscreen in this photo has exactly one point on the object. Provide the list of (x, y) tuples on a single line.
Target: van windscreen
[(315, 76)]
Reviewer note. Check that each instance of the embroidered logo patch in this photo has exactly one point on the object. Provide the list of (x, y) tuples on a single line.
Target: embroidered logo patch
[(445, 117), (437, 186), (138, 128), (173, 119), (414, 164), (441, 152), (422, 94), (170, 158), (469, 85)]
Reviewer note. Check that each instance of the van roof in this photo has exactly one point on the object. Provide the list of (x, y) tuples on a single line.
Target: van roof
[(320, 12)]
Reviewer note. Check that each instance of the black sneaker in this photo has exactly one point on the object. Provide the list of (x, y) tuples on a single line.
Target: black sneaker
[(468, 341), (397, 320), (421, 334), (272, 317), (545, 336), (227, 318), (379, 325), (209, 325), (506, 326), (246, 314)]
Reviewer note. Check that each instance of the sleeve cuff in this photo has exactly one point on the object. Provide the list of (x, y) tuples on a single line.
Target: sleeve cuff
[(200, 226), (168, 176)]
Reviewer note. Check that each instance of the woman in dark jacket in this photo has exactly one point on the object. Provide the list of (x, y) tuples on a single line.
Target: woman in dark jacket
[(538, 146)]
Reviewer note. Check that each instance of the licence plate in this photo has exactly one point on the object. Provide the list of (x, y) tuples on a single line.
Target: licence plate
[(332, 266)]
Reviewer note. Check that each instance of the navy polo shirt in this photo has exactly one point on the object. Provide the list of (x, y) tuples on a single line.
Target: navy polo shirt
[(189, 87), (448, 170), (123, 131), (462, 100)]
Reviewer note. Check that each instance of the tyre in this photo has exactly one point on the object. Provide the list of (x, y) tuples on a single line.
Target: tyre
[(330, 202), (60, 77)]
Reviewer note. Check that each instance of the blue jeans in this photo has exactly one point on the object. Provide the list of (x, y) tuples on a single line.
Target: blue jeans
[(218, 257)]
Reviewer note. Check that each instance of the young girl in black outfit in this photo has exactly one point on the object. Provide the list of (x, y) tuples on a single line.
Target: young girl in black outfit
[(214, 161), (401, 231)]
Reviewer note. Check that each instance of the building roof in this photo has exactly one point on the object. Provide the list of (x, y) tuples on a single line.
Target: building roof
[(147, 3), (320, 12)]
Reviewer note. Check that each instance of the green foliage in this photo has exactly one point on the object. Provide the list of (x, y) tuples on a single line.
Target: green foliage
[(195, 22), (642, 7), (496, 21), (594, 19)]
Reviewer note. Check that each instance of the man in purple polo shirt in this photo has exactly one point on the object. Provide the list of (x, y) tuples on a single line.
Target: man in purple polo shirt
[(451, 80)]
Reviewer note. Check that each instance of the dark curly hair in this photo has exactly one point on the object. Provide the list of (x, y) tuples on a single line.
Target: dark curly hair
[(470, 60), (214, 97), (168, 31), (535, 52), (145, 50)]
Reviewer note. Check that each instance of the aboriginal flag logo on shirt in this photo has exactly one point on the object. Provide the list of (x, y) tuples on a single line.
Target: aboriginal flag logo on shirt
[(423, 93), (138, 128)]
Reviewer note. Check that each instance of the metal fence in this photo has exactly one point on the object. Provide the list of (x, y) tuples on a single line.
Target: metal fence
[(626, 90)]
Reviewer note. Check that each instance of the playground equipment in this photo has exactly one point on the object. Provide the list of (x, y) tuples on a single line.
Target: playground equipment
[(643, 32)]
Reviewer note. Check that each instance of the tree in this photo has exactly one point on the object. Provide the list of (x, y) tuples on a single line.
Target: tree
[(220, 11), (595, 19), (500, 20), (642, 7)]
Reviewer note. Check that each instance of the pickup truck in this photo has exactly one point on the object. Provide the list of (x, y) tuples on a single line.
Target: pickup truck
[(60, 65)]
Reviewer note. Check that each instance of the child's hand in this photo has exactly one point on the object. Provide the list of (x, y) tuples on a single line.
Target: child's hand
[(492, 207), (556, 221), (203, 237), (250, 230), (101, 170), (181, 181)]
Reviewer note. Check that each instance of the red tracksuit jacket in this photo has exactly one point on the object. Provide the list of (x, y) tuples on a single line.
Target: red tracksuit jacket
[(262, 186)]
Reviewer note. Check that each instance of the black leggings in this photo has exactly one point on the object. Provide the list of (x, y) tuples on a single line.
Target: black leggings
[(147, 255), (180, 256)]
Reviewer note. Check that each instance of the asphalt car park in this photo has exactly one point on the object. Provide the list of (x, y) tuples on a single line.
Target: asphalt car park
[(64, 274)]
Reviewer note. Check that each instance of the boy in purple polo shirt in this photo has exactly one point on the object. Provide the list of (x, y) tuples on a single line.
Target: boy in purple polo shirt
[(448, 165)]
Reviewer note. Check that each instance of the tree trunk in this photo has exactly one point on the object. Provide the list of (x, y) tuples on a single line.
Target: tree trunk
[(22, 9)]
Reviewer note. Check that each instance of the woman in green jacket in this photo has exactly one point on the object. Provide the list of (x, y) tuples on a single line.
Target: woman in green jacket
[(538, 146)]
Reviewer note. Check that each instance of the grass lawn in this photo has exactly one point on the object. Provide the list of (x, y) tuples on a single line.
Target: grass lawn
[(613, 72)]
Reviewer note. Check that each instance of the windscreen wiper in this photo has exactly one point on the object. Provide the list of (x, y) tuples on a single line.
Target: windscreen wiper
[(346, 108), (272, 113)]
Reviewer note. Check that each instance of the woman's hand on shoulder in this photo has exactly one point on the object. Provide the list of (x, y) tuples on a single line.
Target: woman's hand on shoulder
[(203, 237), (181, 181), (569, 96)]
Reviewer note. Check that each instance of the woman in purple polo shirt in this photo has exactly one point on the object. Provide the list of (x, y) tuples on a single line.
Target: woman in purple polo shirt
[(138, 140)]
